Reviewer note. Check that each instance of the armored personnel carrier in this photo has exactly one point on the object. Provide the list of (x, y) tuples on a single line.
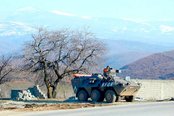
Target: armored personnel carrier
[(97, 87)]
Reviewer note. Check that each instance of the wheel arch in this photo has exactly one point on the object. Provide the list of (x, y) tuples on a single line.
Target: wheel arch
[(110, 88)]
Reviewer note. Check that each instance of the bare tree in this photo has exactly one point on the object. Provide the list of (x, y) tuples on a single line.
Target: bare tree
[(58, 54), (5, 68)]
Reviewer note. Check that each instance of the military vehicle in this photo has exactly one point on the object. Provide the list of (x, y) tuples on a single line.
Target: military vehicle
[(97, 87)]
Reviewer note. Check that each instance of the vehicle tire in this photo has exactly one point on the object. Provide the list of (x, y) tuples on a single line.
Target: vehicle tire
[(82, 96), (110, 96), (95, 95), (129, 98)]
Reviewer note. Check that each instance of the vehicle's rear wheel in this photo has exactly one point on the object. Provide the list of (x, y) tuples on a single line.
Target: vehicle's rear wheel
[(110, 96), (95, 95), (82, 96), (129, 98)]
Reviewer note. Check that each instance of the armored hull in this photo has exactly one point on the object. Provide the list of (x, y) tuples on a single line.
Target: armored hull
[(97, 87)]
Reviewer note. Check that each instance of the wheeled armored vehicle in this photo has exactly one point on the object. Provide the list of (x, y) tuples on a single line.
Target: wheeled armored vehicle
[(97, 87)]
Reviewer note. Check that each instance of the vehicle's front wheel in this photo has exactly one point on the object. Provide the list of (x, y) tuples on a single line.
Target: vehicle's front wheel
[(82, 96), (129, 98), (110, 96)]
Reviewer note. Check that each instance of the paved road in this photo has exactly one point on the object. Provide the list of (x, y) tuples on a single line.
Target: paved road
[(145, 109)]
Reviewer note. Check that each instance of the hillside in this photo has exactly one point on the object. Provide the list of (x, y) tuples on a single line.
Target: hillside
[(156, 66), (122, 52)]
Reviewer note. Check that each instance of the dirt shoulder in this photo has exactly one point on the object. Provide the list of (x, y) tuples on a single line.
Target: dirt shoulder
[(16, 111), (9, 106), (40, 105)]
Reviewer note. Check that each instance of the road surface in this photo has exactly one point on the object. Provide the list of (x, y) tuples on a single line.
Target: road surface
[(143, 109)]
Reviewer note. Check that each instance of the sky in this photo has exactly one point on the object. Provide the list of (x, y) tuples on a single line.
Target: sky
[(148, 10)]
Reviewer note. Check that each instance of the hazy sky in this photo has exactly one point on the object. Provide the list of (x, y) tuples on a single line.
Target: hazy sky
[(140, 19), (131, 9)]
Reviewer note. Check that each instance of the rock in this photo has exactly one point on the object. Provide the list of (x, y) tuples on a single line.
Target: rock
[(29, 94)]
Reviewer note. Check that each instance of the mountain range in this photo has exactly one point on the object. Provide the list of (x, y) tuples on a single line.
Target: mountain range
[(156, 66)]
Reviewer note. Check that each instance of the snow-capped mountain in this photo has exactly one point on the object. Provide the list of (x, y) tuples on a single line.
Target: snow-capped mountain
[(127, 39)]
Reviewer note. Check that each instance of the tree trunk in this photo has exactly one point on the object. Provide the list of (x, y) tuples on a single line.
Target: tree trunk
[(47, 83), (49, 91), (54, 92), (49, 88)]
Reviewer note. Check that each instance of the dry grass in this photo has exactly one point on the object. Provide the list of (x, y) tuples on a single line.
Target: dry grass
[(49, 105), (35, 107)]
